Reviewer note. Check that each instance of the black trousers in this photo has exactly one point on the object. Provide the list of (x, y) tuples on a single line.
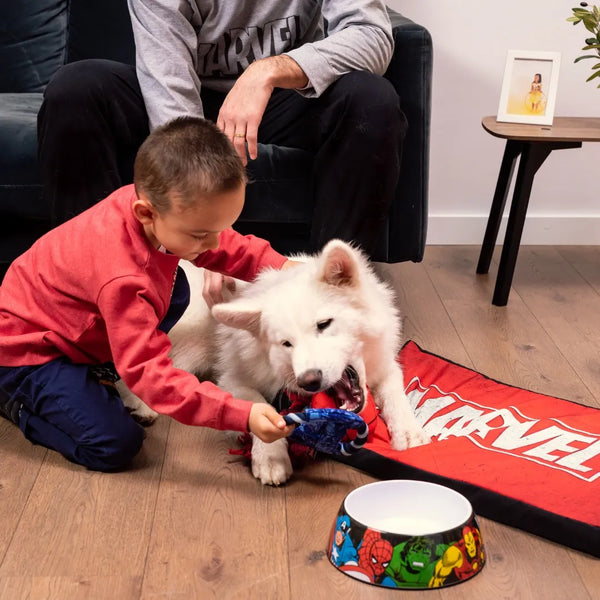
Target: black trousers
[(93, 120)]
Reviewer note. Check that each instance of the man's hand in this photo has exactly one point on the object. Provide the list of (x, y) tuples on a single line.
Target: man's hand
[(245, 104), (267, 424)]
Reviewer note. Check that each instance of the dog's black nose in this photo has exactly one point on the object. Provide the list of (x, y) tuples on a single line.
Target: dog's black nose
[(310, 380)]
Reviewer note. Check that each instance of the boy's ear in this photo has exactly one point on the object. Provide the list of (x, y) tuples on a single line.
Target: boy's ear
[(238, 314), (143, 210)]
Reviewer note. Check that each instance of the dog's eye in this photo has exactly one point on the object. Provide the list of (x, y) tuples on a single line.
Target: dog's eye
[(286, 344), (323, 325)]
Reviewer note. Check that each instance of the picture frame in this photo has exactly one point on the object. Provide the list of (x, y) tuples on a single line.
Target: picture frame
[(529, 87)]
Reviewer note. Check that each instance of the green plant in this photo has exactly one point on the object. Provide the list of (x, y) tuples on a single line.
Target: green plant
[(590, 17)]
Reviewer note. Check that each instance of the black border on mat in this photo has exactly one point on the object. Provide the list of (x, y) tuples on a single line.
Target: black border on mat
[(515, 387), (492, 505)]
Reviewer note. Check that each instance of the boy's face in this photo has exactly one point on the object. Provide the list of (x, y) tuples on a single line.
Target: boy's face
[(189, 232)]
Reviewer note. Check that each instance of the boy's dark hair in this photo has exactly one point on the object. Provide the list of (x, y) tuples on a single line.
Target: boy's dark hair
[(184, 158)]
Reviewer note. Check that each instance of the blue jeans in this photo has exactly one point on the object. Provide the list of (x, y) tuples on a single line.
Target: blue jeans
[(62, 406)]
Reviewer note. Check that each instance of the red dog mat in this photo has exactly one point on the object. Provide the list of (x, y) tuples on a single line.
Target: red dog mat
[(524, 459)]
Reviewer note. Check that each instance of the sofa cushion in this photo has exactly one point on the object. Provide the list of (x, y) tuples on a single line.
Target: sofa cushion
[(32, 43), (20, 187)]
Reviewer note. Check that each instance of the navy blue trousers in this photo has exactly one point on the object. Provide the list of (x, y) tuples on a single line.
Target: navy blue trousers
[(62, 406), (65, 407)]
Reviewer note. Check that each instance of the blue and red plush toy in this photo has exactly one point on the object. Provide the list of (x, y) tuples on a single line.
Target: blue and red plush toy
[(322, 427), (324, 430)]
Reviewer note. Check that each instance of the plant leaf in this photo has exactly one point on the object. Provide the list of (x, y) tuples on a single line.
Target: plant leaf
[(590, 23), (596, 74)]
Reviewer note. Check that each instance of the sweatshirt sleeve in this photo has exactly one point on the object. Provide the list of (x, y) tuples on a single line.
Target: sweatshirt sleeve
[(358, 38), (141, 355), (166, 55), (241, 256)]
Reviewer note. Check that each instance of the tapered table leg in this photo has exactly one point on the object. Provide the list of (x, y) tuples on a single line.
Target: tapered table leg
[(532, 157), (511, 152)]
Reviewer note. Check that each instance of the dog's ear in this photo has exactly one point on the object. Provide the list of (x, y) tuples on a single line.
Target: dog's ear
[(339, 264), (237, 314)]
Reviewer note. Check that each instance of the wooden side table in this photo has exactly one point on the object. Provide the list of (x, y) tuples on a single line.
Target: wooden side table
[(533, 143)]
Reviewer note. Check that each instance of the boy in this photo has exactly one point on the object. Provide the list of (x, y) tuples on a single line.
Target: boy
[(104, 287)]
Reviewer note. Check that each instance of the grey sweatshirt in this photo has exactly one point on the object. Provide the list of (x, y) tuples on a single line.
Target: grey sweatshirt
[(184, 44)]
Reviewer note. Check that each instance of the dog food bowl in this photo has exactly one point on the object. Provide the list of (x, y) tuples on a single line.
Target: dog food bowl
[(406, 534)]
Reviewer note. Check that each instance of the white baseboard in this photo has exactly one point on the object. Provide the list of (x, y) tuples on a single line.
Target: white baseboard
[(543, 230)]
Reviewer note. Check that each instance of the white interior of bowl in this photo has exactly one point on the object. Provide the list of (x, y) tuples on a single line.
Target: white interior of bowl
[(408, 507)]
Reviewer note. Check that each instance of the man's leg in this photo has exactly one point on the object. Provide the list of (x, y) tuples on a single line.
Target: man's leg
[(356, 130), (64, 407), (90, 126)]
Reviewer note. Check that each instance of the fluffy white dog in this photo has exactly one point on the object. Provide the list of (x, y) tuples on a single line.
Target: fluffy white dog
[(329, 323)]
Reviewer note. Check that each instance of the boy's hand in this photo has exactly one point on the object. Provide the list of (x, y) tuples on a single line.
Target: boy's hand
[(214, 284), (290, 263), (267, 424)]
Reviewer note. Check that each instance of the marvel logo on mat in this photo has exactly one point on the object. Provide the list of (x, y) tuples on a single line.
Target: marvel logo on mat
[(546, 441)]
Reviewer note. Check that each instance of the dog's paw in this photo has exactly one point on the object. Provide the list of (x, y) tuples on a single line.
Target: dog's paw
[(140, 412), (408, 438), (271, 462), (143, 415), (405, 432)]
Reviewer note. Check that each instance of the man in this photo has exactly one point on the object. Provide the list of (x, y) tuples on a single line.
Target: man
[(301, 73)]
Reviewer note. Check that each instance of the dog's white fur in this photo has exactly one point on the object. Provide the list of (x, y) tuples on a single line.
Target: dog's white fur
[(328, 313)]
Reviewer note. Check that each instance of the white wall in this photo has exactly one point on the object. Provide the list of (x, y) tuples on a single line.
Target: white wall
[(471, 39)]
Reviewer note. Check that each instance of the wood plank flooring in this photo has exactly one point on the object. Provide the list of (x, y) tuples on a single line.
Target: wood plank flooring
[(189, 521)]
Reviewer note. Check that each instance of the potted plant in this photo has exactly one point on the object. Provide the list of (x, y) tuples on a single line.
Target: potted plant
[(590, 17)]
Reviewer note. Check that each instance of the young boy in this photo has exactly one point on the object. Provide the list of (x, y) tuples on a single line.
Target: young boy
[(104, 287)]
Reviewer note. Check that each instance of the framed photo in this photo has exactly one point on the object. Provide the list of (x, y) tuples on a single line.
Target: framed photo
[(529, 87)]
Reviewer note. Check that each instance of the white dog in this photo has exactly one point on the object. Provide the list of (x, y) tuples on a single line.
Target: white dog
[(328, 323)]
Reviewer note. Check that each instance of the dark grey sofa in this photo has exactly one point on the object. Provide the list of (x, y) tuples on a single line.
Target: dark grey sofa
[(38, 36)]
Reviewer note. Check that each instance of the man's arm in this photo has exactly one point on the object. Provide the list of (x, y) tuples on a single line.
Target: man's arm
[(166, 51), (358, 38)]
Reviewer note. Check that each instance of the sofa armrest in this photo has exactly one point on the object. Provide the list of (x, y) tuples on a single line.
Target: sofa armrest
[(410, 69), (410, 72)]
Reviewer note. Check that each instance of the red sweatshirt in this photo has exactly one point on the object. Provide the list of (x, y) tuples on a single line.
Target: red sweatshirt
[(95, 290)]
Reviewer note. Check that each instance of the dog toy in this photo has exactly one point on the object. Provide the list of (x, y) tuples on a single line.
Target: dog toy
[(300, 450), (324, 429)]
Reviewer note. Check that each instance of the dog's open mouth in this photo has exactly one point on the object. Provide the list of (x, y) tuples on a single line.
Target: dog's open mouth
[(347, 392)]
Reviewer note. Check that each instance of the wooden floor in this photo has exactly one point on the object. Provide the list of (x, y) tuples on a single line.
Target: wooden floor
[(190, 522)]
